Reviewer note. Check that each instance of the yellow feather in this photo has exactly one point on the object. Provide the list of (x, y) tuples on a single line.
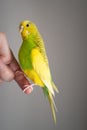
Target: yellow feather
[(34, 77), (42, 69), (40, 72), (52, 104)]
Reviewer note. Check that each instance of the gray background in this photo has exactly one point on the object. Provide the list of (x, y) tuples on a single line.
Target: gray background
[(63, 25)]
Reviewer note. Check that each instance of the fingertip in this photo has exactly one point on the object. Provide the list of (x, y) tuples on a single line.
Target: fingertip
[(28, 89)]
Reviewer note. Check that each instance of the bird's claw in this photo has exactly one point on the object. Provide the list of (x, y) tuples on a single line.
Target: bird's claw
[(28, 88)]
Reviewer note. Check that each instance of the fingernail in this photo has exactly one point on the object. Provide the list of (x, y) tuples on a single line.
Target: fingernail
[(28, 89)]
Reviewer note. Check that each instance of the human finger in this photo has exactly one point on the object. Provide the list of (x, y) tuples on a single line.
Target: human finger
[(20, 77), (5, 54), (1, 80), (6, 73)]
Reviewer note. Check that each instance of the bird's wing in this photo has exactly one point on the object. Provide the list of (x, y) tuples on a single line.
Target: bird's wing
[(41, 68), (40, 43)]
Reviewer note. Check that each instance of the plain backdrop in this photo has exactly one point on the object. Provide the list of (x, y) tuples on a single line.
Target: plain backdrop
[(63, 25)]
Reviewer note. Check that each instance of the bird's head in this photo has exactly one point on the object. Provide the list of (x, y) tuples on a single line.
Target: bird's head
[(26, 28)]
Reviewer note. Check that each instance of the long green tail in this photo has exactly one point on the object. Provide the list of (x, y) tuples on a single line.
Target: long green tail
[(48, 94)]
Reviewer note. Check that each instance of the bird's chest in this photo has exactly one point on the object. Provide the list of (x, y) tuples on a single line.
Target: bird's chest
[(25, 59)]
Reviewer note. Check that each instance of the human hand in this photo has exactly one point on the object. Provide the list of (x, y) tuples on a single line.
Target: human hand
[(9, 67)]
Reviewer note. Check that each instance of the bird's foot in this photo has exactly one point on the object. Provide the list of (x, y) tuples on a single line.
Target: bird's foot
[(28, 88)]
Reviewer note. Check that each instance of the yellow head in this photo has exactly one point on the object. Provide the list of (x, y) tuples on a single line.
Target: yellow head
[(26, 28)]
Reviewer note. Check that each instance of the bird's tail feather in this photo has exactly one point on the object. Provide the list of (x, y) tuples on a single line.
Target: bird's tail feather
[(49, 95), (55, 88), (53, 106)]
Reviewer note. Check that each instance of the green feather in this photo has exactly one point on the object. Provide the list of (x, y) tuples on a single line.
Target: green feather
[(45, 90), (33, 41), (51, 101), (24, 54), (40, 43)]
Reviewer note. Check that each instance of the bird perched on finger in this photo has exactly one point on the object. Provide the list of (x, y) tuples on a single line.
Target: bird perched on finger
[(34, 62)]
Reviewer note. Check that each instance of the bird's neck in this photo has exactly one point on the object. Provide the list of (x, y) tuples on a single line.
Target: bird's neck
[(29, 43)]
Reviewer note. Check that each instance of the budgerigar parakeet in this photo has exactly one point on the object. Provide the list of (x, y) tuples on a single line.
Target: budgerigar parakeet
[(33, 61)]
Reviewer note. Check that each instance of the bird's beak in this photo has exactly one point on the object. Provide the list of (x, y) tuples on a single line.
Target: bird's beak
[(21, 28)]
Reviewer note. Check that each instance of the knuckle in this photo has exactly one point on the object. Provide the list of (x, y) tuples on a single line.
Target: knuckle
[(8, 59), (10, 76), (7, 75)]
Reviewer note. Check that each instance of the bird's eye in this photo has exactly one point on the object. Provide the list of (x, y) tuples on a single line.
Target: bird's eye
[(27, 25)]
